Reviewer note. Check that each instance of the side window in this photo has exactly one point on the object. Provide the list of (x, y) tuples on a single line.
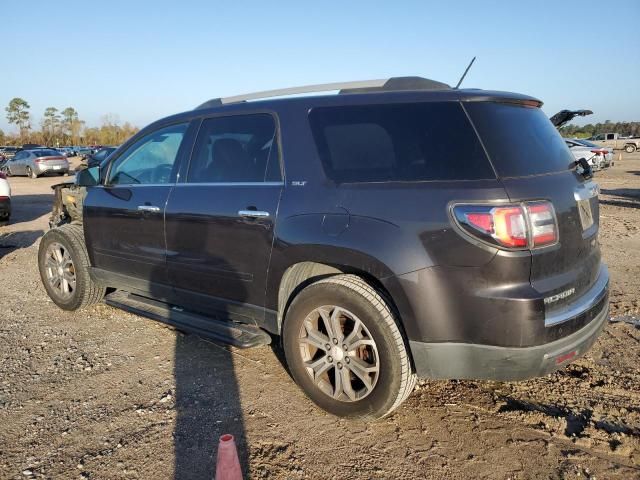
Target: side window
[(398, 142), (150, 160), (610, 136), (238, 148)]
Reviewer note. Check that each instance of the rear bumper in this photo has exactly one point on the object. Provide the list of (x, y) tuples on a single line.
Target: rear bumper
[(489, 362), (42, 169)]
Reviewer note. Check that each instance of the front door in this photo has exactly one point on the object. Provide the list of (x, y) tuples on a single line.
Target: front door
[(220, 219), (124, 218), (16, 164)]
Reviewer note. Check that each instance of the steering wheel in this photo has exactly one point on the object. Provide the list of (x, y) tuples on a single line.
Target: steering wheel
[(162, 173)]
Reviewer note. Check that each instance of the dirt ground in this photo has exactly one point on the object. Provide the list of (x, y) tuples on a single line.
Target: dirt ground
[(104, 394)]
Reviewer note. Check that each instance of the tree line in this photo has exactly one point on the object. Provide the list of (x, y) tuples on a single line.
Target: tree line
[(62, 127), (626, 129)]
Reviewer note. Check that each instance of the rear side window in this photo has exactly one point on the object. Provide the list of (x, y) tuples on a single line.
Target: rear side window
[(398, 142), (520, 140), (238, 148)]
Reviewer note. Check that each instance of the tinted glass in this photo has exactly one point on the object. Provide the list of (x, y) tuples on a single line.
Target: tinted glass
[(587, 143), (398, 142), (240, 148), (46, 153), (151, 159), (520, 140)]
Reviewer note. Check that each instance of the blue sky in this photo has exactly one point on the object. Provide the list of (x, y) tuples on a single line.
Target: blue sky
[(142, 60)]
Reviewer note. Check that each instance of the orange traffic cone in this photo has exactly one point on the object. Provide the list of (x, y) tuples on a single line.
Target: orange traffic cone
[(227, 464)]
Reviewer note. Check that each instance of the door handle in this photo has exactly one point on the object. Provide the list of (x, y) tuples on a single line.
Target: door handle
[(253, 213), (148, 208)]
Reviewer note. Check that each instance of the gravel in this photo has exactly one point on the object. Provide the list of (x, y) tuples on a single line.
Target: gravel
[(101, 393)]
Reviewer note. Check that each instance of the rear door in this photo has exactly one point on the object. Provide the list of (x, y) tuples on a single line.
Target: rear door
[(124, 218), (534, 163), (220, 218)]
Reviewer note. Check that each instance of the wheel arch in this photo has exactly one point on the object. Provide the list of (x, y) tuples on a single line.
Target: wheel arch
[(303, 273)]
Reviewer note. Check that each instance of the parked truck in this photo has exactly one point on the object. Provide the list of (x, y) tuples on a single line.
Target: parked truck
[(617, 142)]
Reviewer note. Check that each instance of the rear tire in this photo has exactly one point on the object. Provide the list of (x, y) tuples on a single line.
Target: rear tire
[(366, 374), (31, 173), (629, 148), (63, 262)]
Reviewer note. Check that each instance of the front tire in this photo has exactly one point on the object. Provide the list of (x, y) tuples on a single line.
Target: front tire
[(31, 173), (63, 262), (345, 349)]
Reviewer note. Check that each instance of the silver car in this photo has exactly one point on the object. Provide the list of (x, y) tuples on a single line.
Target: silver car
[(36, 162)]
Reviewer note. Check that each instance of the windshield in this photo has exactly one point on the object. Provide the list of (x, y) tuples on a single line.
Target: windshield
[(520, 140)]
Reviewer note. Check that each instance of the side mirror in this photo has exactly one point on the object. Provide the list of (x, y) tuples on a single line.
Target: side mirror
[(88, 177)]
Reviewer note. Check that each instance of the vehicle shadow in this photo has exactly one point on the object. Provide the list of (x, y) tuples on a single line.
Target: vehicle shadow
[(207, 400), (15, 240), (25, 208), (623, 197)]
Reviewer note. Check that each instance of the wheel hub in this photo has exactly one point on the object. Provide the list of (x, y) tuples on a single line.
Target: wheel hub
[(337, 354)]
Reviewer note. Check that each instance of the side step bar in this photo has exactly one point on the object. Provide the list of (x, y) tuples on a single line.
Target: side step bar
[(236, 334)]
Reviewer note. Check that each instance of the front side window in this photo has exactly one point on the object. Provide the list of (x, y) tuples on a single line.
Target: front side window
[(238, 148), (150, 160)]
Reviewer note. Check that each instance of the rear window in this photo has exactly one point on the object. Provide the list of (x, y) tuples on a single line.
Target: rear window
[(520, 140), (46, 153), (398, 142)]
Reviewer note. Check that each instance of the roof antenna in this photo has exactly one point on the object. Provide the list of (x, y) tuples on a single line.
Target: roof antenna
[(465, 73)]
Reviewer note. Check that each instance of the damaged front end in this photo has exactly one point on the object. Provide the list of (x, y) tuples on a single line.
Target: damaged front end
[(67, 204)]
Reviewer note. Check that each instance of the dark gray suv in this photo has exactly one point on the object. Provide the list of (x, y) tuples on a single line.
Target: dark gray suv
[(400, 228)]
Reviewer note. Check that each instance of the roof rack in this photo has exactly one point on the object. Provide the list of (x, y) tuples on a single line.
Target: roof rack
[(362, 86)]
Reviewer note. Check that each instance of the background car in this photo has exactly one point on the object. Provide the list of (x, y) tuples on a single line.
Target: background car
[(595, 156), (608, 156), (66, 151), (5, 198), (98, 157), (9, 152), (34, 163), (83, 152)]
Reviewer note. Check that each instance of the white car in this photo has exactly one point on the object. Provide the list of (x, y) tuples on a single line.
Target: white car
[(5, 197), (595, 156)]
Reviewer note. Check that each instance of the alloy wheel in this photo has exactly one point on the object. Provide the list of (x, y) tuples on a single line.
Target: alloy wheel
[(339, 353), (60, 271)]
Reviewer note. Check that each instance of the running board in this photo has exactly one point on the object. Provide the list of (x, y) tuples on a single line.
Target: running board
[(236, 334)]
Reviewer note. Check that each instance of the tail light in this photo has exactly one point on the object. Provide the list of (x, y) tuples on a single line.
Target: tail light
[(3, 176), (542, 219), (39, 160), (517, 227)]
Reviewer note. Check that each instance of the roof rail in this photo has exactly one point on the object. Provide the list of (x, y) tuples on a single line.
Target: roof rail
[(362, 86)]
